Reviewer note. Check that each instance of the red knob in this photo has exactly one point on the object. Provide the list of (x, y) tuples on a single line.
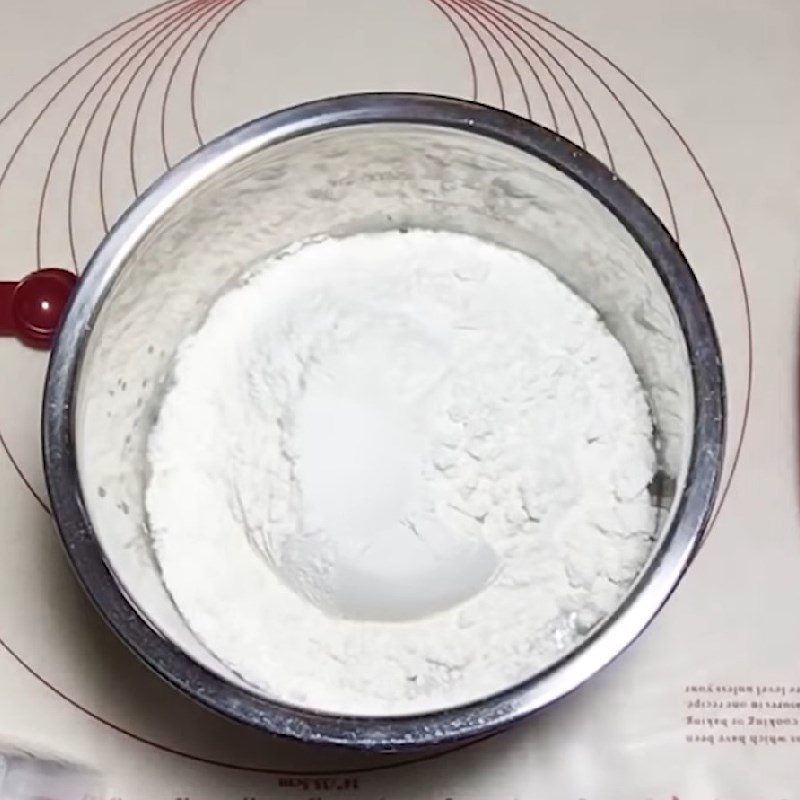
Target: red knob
[(32, 308)]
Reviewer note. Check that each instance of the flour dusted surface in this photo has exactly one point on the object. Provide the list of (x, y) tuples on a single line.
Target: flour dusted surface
[(398, 472)]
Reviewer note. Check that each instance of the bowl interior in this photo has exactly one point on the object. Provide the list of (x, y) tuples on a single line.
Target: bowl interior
[(360, 177)]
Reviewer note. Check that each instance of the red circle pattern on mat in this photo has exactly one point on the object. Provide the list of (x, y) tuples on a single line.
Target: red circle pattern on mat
[(500, 28)]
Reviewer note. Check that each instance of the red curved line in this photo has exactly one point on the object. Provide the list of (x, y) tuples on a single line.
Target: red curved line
[(13, 157), (728, 230), (21, 474), (186, 9), (512, 6), (490, 22), (472, 68), (487, 29), (79, 151), (196, 71), (455, 7), (533, 42), (171, 79), (203, 18), (171, 25), (118, 107), (222, 764), (109, 130), (518, 32), (20, 100)]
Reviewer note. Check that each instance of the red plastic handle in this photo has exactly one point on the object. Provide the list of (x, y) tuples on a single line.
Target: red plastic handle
[(31, 309)]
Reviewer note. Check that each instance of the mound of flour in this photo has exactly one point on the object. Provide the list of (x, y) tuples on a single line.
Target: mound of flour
[(397, 472)]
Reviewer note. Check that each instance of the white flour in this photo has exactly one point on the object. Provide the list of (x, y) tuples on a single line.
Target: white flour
[(397, 472)]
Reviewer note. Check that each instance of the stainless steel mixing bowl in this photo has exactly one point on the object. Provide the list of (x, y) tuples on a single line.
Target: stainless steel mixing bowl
[(357, 163)]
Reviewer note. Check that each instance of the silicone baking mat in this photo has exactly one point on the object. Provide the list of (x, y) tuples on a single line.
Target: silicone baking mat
[(694, 102)]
